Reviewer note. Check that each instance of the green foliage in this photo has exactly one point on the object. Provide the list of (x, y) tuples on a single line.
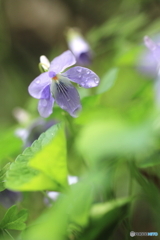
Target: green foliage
[(52, 160), (107, 81), (9, 144), (14, 219), (45, 174), (3, 176), (104, 216), (72, 207), (151, 161), (110, 137)]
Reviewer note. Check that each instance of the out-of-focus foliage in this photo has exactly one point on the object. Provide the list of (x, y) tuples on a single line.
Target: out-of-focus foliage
[(3, 176), (13, 219)]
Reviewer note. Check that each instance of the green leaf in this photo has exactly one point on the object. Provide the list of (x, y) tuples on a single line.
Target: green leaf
[(129, 56), (14, 219), (22, 177), (107, 81), (100, 209), (3, 176), (105, 217), (73, 207), (112, 137), (52, 160), (150, 161), (9, 144)]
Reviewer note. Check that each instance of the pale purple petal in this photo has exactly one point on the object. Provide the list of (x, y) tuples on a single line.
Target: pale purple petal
[(45, 104), (67, 97), (81, 49), (153, 47), (83, 76), (149, 43), (84, 58), (147, 64), (62, 62), (37, 86)]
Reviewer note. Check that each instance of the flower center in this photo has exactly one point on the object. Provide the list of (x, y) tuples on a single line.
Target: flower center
[(53, 75)]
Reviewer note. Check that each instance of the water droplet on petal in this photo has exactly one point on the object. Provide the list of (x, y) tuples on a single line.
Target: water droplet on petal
[(37, 81), (96, 80), (79, 70), (88, 72)]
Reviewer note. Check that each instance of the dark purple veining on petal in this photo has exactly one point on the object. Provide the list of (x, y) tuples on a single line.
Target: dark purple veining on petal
[(67, 97)]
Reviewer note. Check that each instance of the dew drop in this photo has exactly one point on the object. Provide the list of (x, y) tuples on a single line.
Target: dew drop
[(37, 81), (96, 80), (79, 70), (88, 72)]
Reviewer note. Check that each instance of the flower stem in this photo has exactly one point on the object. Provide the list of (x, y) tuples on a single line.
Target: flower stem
[(130, 187), (9, 234)]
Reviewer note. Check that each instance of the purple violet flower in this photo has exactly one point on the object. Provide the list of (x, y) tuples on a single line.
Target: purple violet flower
[(54, 85), (152, 65), (79, 47), (30, 134), (150, 61), (8, 198)]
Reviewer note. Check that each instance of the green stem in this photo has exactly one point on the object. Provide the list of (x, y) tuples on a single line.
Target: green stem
[(130, 180), (70, 124), (42, 70), (9, 234)]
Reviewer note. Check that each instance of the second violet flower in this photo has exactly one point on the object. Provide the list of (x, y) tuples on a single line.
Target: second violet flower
[(54, 84)]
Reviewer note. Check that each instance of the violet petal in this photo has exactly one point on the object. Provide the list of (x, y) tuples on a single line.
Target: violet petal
[(66, 96), (83, 76), (62, 62), (45, 104), (37, 86), (153, 47), (80, 49)]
